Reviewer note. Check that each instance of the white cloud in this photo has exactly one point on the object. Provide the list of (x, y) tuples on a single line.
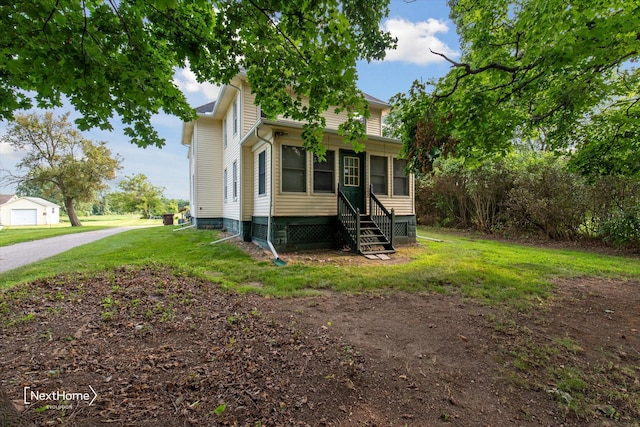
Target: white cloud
[(416, 39), (186, 80), (8, 153)]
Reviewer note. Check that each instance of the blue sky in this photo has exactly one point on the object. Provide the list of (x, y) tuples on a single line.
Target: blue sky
[(419, 25)]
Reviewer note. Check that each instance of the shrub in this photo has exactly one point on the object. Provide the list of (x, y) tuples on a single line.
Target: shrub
[(547, 197)]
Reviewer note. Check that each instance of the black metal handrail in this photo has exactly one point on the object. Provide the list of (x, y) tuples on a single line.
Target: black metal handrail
[(384, 219), (349, 217)]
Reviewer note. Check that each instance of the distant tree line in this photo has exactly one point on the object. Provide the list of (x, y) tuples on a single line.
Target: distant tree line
[(530, 193), (148, 204)]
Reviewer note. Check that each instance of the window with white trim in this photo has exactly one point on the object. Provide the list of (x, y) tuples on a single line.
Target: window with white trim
[(400, 178), (262, 173), (224, 132), (224, 185), (235, 116), (378, 174), (294, 169), (324, 173), (351, 171), (235, 180)]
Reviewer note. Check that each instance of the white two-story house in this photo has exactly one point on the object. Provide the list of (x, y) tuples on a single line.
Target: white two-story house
[(252, 177)]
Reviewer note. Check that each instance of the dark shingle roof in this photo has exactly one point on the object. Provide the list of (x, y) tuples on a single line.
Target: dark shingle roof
[(206, 108), (373, 99), (4, 198)]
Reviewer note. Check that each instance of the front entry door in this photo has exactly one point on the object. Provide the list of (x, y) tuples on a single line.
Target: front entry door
[(352, 178)]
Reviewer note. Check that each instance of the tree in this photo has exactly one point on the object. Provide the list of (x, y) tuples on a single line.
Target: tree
[(138, 195), (533, 69), (59, 159), (120, 57)]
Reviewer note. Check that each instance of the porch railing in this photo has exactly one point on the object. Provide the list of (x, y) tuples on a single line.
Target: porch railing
[(384, 219), (349, 217)]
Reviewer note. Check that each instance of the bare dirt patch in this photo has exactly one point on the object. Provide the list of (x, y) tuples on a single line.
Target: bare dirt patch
[(173, 351)]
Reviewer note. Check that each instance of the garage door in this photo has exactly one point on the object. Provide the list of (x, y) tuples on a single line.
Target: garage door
[(24, 216)]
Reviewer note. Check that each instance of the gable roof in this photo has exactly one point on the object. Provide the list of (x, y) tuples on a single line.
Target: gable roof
[(210, 106), (40, 201), (36, 200), (6, 198), (206, 108)]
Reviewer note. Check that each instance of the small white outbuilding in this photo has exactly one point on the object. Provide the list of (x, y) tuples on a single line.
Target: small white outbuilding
[(27, 211)]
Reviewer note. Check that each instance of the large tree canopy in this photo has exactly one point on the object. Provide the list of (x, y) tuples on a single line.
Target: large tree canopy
[(119, 57), (58, 159), (138, 195), (549, 70)]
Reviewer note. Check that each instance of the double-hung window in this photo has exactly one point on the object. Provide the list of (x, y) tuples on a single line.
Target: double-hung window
[(224, 185), (235, 117), (235, 180), (324, 173), (224, 132), (262, 173), (378, 172), (294, 169), (400, 178)]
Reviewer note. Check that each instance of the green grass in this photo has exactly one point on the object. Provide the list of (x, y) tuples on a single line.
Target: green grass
[(11, 235), (489, 271)]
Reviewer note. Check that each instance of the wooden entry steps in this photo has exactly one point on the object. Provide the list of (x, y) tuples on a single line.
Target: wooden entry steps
[(372, 240)]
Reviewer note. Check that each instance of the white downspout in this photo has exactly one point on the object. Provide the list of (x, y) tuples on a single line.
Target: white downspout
[(273, 250)]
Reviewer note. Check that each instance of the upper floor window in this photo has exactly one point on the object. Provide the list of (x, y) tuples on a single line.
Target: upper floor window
[(400, 178), (224, 132), (378, 172), (262, 172), (235, 116), (294, 169), (324, 173)]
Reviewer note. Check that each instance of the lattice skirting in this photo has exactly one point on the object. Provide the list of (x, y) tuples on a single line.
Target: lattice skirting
[(299, 233)]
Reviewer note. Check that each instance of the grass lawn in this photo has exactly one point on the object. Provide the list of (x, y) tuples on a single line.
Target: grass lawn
[(11, 235), (516, 280), (490, 271)]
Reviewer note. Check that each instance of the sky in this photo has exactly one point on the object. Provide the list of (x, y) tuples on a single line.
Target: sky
[(419, 25)]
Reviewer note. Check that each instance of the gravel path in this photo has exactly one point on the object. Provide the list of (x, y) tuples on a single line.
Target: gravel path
[(20, 254)]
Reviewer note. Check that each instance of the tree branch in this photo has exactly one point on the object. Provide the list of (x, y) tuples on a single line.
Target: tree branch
[(279, 30), (50, 15), (124, 24), (470, 71)]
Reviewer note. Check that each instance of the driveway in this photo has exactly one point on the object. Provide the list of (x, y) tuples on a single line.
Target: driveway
[(20, 254)]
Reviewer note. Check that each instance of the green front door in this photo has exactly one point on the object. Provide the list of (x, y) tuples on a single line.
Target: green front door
[(352, 178)]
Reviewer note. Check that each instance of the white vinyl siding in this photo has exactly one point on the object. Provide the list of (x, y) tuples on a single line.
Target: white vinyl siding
[(250, 111), (207, 167)]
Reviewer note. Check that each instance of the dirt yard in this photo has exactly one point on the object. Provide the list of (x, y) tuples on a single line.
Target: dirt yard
[(161, 350)]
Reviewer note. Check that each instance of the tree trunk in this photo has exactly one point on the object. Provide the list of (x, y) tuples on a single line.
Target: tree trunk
[(9, 417), (71, 212)]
